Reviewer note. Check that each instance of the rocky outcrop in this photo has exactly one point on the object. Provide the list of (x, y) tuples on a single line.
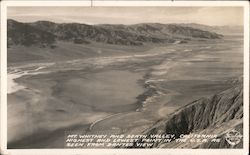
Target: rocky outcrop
[(215, 115)]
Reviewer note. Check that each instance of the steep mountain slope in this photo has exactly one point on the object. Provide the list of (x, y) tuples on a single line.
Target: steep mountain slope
[(23, 34), (215, 115), (139, 34)]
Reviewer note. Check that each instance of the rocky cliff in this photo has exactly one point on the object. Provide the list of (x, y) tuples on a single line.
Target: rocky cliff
[(218, 115)]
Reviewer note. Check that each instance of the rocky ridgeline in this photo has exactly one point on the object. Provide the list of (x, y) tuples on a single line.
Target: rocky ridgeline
[(45, 33), (214, 115)]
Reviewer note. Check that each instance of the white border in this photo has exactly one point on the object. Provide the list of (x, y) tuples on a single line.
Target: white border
[(3, 135)]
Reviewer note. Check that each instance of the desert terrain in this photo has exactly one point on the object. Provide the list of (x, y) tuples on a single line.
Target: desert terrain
[(101, 88)]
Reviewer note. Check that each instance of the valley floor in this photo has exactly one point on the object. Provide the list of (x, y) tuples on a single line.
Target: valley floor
[(114, 94)]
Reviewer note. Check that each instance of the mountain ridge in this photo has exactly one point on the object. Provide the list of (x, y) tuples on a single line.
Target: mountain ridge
[(137, 34), (225, 30), (204, 116)]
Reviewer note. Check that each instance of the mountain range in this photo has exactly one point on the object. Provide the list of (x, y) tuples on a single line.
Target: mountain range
[(225, 30), (46, 33)]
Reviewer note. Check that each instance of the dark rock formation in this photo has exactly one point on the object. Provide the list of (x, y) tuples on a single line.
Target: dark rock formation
[(206, 115)]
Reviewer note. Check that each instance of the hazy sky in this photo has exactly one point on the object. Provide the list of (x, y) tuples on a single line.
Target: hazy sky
[(130, 15)]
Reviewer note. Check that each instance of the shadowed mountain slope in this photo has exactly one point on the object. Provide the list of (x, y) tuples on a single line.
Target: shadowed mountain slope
[(24, 34), (215, 115)]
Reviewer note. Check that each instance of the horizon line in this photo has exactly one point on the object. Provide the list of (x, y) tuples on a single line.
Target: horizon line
[(120, 23)]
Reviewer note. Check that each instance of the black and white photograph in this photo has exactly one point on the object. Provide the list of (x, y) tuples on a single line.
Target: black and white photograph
[(125, 77)]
